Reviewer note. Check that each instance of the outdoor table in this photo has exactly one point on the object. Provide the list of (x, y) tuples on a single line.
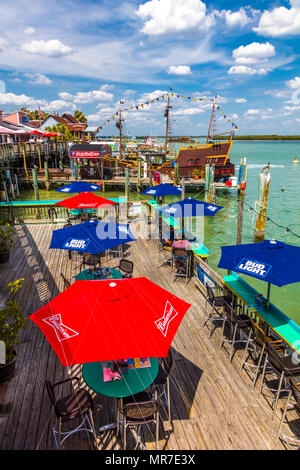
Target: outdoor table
[(286, 328), (133, 381), (107, 273)]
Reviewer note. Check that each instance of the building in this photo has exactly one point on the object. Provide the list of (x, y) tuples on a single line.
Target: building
[(75, 127)]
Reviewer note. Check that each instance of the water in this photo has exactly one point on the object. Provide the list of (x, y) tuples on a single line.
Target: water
[(283, 208)]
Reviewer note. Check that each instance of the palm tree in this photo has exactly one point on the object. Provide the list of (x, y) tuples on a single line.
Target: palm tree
[(80, 116)]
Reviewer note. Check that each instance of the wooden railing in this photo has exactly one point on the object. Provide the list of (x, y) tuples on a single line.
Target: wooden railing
[(17, 150)]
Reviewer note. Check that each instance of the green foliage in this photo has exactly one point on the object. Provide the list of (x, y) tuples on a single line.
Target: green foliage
[(35, 115), (62, 129), (6, 237), (12, 320), (80, 116)]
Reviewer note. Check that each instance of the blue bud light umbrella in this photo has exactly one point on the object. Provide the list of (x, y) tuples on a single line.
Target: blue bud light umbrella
[(79, 187), (271, 261), (91, 237), (162, 190), (190, 207)]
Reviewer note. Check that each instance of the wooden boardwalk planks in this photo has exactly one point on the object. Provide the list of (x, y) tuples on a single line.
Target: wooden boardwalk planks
[(213, 404)]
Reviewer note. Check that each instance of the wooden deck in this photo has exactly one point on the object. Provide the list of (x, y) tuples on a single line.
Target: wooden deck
[(213, 404)]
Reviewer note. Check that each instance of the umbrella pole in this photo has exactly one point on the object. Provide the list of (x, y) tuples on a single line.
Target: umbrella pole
[(269, 289)]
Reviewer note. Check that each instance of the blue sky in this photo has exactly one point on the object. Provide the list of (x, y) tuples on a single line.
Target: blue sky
[(90, 54)]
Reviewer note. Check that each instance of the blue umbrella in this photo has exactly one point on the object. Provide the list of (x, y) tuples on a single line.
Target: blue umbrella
[(271, 261), (91, 237), (190, 207), (78, 187), (162, 190)]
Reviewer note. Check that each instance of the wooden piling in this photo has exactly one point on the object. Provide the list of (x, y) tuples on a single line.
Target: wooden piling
[(182, 189), (35, 184), (17, 185), (127, 184), (264, 185), (47, 178), (239, 234)]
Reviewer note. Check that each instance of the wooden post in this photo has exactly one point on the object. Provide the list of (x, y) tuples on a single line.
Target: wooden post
[(103, 186), (150, 177), (239, 234), (39, 153), (127, 184), (242, 177), (47, 178), (207, 182), (17, 185), (176, 174), (10, 183), (138, 186), (24, 158), (264, 185), (5, 190), (35, 184), (182, 189)]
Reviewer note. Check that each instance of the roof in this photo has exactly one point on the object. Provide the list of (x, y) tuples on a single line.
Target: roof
[(70, 118), (73, 127)]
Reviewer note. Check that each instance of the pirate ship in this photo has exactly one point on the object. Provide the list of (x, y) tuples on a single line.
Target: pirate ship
[(191, 159)]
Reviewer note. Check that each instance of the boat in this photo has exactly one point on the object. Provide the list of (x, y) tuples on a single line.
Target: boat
[(191, 159), (295, 161)]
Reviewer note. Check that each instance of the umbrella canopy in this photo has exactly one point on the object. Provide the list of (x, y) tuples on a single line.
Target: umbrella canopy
[(109, 320), (85, 200), (50, 134), (79, 187), (36, 132), (162, 190), (189, 207), (271, 261), (91, 237)]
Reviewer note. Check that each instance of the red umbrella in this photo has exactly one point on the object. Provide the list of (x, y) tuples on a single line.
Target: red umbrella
[(111, 319), (50, 134), (36, 132), (86, 200)]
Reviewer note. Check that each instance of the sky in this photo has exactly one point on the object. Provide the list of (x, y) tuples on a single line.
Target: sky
[(90, 55)]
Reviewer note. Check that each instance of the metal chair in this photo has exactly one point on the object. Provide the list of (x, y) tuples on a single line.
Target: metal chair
[(293, 402), (216, 304), (283, 367), (138, 410), (181, 263), (162, 381), (237, 322), (67, 283), (68, 225), (89, 260), (165, 256), (255, 350), (126, 267), (76, 405)]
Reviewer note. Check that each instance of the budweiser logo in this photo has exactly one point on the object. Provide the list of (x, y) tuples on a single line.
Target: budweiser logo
[(169, 314), (62, 331)]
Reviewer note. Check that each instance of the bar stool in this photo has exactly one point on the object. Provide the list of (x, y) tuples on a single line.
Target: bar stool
[(293, 402), (216, 303), (236, 322)]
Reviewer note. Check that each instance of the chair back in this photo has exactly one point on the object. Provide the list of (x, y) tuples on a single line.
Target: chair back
[(210, 292), (126, 266), (180, 253), (140, 412), (68, 225), (50, 390), (275, 357), (295, 387), (66, 282)]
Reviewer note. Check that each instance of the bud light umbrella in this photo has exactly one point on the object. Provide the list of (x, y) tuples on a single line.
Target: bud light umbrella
[(91, 237), (109, 320), (79, 187), (190, 207), (271, 261), (85, 200), (162, 190)]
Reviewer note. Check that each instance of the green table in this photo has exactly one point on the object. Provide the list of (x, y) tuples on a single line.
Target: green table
[(277, 320), (91, 276), (133, 381)]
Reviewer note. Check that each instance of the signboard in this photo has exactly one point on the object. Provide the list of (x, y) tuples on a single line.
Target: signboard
[(89, 151), (156, 177), (85, 154)]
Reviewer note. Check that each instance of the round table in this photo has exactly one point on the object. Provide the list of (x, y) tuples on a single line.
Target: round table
[(86, 275), (133, 380)]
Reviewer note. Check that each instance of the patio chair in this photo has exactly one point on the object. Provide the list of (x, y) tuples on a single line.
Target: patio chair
[(255, 350), (162, 381), (283, 367), (138, 410), (237, 322), (216, 303), (69, 252), (181, 263), (292, 403), (67, 282), (165, 256), (89, 260), (126, 267), (76, 405)]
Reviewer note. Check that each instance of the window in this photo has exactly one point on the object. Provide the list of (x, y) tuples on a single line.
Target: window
[(190, 162), (196, 162)]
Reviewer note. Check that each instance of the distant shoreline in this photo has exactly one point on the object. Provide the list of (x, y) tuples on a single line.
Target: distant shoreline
[(241, 137)]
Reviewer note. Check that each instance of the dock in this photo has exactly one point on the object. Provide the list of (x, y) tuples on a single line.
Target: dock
[(213, 404)]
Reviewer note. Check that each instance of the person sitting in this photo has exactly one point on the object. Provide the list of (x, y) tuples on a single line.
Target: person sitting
[(168, 238)]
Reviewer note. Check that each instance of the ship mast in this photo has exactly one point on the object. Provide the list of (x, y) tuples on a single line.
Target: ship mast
[(211, 118), (168, 107), (119, 126)]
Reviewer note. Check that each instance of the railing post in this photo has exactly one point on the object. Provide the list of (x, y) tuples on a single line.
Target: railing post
[(47, 179)]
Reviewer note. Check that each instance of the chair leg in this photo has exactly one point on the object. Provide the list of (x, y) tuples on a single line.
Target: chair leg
[(278, 393), (93, 428), (283, 416), (246, 351), (263, 373), (223, 329), (232, 343), (258, 368), (59, 433), (157, 430), (169, 401), (124, 433)]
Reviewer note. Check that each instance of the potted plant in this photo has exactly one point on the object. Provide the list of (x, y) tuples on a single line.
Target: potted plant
[(6, 242), (12, 321), (196, 174)]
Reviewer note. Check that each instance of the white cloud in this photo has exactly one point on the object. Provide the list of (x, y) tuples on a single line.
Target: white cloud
[(253, 53), (83, 97), (59, 105), (187, 111), (280, 21), (38, 79), (29, 30), (251, 112), (51, 48), (235, 116), (2, 44), (173, 16), (240, 100), (236, 18), (179, 70), (243, 70), (20, 100), (294, 83)]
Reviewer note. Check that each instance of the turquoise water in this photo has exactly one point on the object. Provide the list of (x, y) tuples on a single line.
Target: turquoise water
[(283, 207)]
